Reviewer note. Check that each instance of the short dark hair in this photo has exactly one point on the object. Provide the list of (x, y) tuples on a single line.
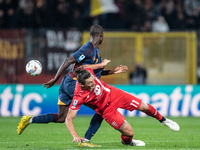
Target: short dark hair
[(82, 75), (96, 30)]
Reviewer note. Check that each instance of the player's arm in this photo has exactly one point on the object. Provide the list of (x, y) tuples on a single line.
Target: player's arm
[(70, 126), (62, 68), (118, 69), (98, 66)]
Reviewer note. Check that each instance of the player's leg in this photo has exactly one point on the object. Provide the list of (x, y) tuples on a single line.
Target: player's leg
[(26, 120), (94, 126), (95, 123), (130, 102), (62, 113), (46, 118), (127, 135), (52, 117), (117, 121), (151, 111), (43, 119)]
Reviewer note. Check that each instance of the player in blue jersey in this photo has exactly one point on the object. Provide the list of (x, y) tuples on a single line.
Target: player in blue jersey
[(88, 55)]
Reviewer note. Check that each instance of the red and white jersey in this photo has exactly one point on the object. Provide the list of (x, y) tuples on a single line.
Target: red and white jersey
[(96, 98)]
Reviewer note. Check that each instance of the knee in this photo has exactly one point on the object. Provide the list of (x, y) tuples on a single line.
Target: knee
[(126, 130)]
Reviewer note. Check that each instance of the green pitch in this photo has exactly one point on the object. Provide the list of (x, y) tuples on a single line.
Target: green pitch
[(56, 136)]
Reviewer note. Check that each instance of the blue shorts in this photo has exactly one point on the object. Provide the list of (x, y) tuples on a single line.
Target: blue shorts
[(66, 91)]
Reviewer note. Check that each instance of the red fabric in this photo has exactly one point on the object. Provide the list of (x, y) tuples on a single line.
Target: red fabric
[(125, 100), (126, 140), (97, 98), (105, 100), (114, 118), (153, 112)]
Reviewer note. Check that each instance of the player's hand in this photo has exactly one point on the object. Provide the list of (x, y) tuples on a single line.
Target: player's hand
[(120, 69), (105, 62), (77, 139), (49, 84)]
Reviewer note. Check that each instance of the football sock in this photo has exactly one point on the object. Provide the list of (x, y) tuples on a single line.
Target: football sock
[(31, 120), (94, 126), (125, 139), (153, 112), (45, 118), (163, 119)]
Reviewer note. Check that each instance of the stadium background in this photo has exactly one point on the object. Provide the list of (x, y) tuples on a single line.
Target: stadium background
[(50, 31)]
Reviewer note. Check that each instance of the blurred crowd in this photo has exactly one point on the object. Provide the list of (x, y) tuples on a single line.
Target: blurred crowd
[(133, 15)]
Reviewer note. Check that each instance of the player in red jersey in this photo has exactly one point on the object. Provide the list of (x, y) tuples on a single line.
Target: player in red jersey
[(105, 100)]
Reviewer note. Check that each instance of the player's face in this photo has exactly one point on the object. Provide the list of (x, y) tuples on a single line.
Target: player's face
[(89, 83)]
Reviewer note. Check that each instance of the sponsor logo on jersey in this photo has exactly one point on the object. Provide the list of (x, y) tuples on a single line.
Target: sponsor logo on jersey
[(81, 57), (75, 102)]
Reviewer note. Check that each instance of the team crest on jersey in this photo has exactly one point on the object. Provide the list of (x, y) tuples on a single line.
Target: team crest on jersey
[(97, 90), (75, 102), (81, 57)]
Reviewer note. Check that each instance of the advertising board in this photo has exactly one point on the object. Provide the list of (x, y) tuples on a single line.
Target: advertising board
[(19, 99)]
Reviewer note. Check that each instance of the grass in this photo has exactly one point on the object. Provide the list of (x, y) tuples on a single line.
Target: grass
[(56, 136)]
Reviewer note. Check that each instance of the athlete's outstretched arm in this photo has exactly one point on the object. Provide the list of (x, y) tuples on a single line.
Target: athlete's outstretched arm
[(98, 66), (62, 68), (70, 126), (118, 69)]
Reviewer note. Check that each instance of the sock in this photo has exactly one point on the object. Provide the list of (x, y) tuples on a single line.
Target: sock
[(125, 139), (31, 120), (163, 119), (86, 140), (94, 126), (46, 118), (153, 112)]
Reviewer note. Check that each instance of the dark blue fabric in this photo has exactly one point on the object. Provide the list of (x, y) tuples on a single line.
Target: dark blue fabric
[(87, 54), (94, 126), (66, 91), (44, 118)]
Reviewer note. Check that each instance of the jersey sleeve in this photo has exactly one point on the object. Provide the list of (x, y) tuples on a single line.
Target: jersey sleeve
[(83, 52), (76, 103)]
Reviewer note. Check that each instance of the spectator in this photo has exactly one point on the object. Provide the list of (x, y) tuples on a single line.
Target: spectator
[(180, 23), (191, 7), (169, 12), (146, 27), (138, 75), (135, 14), (77, 20), (10, 8), (2, 14), (160, 25), (25, 17), (192, 13), (45, 14), (63, 14)]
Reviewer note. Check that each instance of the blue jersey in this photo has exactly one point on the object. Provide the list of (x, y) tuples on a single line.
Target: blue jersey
[(87, 54)]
